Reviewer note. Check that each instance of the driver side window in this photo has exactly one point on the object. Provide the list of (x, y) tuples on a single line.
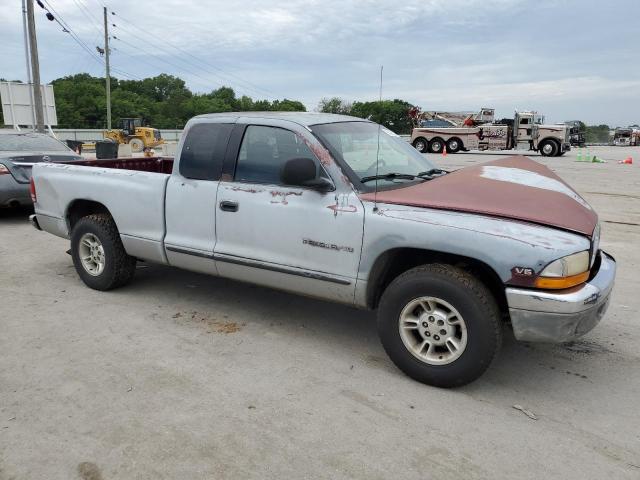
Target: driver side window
[(264, 151)]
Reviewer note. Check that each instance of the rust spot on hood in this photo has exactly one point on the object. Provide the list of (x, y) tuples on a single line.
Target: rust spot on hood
[(513, 187)]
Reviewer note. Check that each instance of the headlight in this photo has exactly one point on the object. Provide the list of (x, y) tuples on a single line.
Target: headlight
[(565, 272)]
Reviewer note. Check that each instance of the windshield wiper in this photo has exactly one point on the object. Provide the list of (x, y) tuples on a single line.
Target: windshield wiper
[(428, 174), (388, 176)]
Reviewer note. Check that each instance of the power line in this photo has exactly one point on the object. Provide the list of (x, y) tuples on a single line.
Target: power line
[(247, 85), (66, 28), (88, 15), (137, 47)]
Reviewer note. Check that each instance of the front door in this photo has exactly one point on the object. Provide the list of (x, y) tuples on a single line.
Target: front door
[(293, 238)]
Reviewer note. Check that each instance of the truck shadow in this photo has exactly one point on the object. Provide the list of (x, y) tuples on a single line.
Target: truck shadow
[(218, 305), (15, 215)]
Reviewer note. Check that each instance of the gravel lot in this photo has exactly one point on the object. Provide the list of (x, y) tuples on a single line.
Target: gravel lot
[(180, 375)]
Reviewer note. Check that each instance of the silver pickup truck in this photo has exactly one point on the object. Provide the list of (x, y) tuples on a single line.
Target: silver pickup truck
[(342, 209)]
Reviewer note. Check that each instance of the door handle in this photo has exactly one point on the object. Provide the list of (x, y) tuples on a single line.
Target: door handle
[(228, 206)]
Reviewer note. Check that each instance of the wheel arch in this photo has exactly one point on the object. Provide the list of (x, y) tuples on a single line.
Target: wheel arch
[(394, 262), (80, 208)]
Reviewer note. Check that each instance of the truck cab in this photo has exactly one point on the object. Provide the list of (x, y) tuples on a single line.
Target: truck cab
[(531, 133)]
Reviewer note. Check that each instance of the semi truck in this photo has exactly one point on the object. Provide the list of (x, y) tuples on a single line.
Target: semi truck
[(626, 137), (525, 132)]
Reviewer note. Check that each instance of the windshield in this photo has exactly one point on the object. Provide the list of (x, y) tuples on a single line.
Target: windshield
[(356, 145), (30, 142)]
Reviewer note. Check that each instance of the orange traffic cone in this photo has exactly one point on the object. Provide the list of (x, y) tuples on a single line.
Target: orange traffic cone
[(444, 150), (627, 161)]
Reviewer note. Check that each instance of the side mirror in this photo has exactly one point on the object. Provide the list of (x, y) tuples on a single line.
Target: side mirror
[(303, 172)]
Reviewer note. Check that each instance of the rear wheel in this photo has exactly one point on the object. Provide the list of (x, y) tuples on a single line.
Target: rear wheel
[(136, 145), (454, 145), (436, 145), (549, 148), (439, 325), (421, 144), (98, 254)]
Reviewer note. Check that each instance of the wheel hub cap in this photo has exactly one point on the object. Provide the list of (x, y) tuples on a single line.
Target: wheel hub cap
[(91, 254), (433, 330)]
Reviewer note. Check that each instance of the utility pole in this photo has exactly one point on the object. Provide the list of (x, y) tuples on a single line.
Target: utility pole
[(26, 54), (108, 73), (35, 68)]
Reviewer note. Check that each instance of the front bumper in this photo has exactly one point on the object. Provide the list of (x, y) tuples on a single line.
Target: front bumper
[(561, 316)]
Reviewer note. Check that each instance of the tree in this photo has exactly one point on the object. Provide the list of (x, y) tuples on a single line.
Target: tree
[(597, 133), (164, 101), (334, 105), (393, 114), (287, 105)]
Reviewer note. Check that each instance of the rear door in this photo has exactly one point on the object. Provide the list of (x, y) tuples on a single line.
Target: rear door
[(191, 196), (293, 238)]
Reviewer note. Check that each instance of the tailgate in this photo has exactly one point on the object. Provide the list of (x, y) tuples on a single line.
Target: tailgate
[(20, 167)]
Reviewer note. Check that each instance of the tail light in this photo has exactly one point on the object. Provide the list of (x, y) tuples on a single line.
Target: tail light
[(32, 190), (4, 170)]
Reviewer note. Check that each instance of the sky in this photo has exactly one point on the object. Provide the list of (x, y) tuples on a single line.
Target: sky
[(569, 59)]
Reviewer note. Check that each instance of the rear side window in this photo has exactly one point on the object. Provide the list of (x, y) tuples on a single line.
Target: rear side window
[(203, 151), (264, 151)]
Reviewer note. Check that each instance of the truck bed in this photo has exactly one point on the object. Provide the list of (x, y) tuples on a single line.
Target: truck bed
[(131, 189)]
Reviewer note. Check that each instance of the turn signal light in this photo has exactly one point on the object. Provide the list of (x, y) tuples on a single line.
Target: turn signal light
[(556, 283), (4, 170)]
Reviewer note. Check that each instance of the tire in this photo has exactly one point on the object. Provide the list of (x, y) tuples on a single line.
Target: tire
[(137, 145), (421, 144), (475, 325), (548, 148), (454, 145), (116, 268), (436, 145)]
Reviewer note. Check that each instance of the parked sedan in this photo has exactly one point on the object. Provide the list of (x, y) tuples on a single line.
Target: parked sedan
[(18, 152)]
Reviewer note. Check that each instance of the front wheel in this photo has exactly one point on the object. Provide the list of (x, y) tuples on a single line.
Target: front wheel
[(549, 148), (137, 145), (98, 254), (439, 325)]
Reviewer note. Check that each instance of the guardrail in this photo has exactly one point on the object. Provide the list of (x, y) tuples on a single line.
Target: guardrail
[(90, 134)]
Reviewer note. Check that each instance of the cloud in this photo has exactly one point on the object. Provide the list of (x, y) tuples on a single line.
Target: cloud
[(572, 58)]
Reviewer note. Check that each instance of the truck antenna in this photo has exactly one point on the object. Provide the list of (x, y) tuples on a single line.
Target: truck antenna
[(375, 193)]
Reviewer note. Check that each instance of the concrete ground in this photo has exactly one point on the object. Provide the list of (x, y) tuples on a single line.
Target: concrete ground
[(180, 375)]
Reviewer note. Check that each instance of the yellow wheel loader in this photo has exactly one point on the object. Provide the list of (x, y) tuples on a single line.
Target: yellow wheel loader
[(133, 133)]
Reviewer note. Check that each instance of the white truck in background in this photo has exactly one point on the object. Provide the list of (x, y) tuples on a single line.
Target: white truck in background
[(525, 132), (626, 137)]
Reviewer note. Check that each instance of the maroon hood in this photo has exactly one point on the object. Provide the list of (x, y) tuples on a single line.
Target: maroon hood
[(513, 187)]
